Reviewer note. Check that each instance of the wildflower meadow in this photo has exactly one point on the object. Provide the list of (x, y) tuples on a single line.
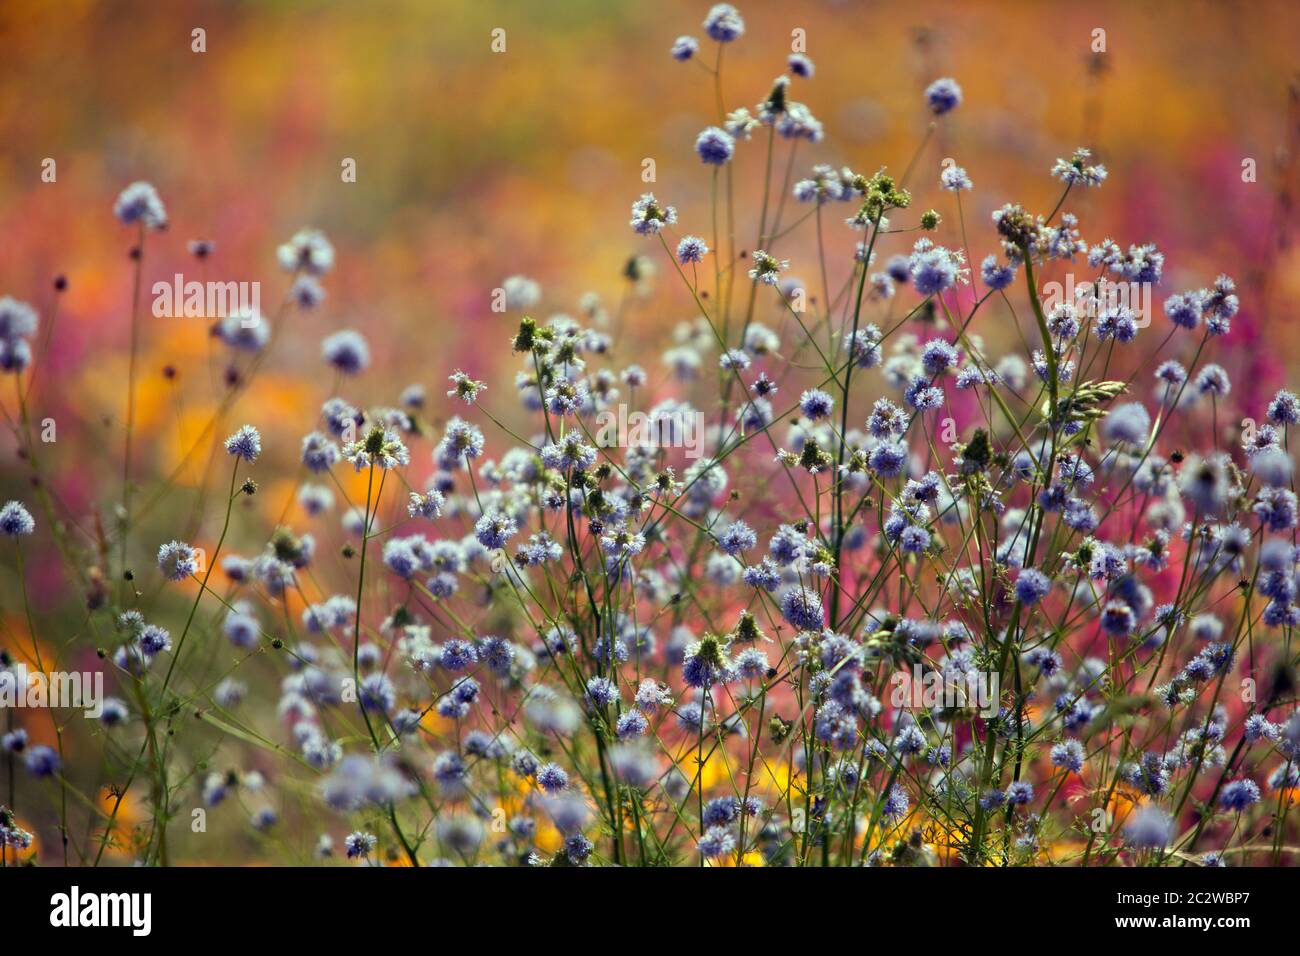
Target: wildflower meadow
[(858, 515)]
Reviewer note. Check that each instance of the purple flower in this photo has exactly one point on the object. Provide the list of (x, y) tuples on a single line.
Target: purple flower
[(691, 249), (800, 65), (245, 443), (1032, 586), (177, 561), (42, 761), (943, 95), (139, 203), (347, 351), (803, 609), (715, 146), (16, 520), (1149, 828), (684, 48), (1238, 795), (724, 23)]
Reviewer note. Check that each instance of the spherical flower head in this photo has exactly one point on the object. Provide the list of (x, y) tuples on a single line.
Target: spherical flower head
[(465, 388), (42, 761), (715, 146), (525, 763), (1291, 732), (737, 537), (15, 741), (1219, 304), (1129, 423), (648, 216), (1238, 795), (315, 500), (346, 351), (360, 844), (15, 355), (1149, 828), (18, 320), (798, 122), (864, 346), (377, 693), (685, 47), (803, 609), (381, 447), (816, 404), (245, 443), (706, 663), (1032, 586), (724, 23), (691, 249), (16, 520), (1184, 310), (923, 396), (461, 441), (552, 778), (943, 96), (154, 640), (933, 268), (458, 655), (400, 557), (567, 397), (896, 802), (521, 292), (539, 549), (888, 459), (177, 561), (734, 360), (800, 65), (996, 275), (631, 723), (139, 203), (307, 292), (954, 179), (245, 331), (577, 848), (602, 692), (1205, 482), (428, 505), (740, 123), (1284, 409), (1077, 171), (1118, 619), (914, 539), (716, 842), (938, 356), (494, 529), (307, 251), (1020, 793), (1068, 754), (767, 268), (115, 712), (319, 453), (569, 452)]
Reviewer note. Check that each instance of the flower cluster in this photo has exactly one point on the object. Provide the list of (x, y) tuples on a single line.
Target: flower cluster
[(923, 594)]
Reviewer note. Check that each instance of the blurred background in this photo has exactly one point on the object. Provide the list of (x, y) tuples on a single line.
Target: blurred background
[(473, 165)]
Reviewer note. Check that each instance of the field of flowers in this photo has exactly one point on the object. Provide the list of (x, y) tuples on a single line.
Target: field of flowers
[(678, 458)]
